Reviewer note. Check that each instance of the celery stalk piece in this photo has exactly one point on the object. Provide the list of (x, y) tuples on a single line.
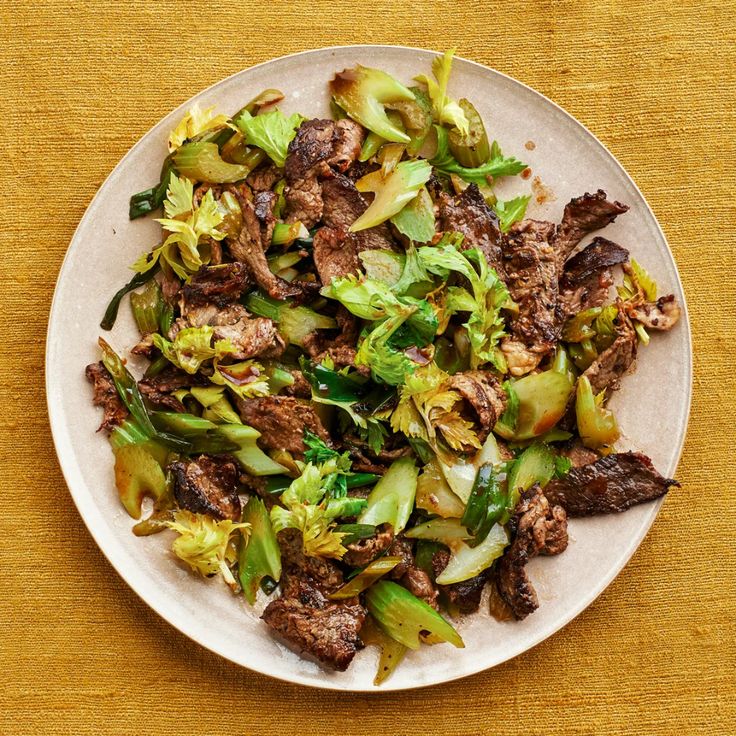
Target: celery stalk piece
[(403, 616), (364, 92), (392, 499), (596, 425), (147, 306), (260, 556), (466, 562), (250, 456), (137, 474), (375, 570), (202, 162), (392, 652), (111, 313), (470, 149), (392, 192), (440, 530)]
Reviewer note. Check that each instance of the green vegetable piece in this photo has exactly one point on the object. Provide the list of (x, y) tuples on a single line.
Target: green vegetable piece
[(392, 192), (486, 504), (202, 162), (354, 532), (260, 556), (445, 110), (496, 166), (363, 94), (416, 117), (392, 652), (472, 148), (466, 562), (285, 233), (511, 211), (542, 400), (253, 460), (375, 570), (416, 219), (403, 616), (435, 495), (580, 327), (137, 474), (535, 465), (151, 199), (392, 499), (147, 306), (295, 323), (447, 531), (596, 425), (111, 313), (270, 131)]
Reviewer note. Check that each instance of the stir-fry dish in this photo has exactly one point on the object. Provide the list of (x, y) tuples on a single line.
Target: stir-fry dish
[(373, 389)]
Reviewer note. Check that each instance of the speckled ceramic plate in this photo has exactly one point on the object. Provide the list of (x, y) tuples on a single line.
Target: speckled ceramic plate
[(652, 407)]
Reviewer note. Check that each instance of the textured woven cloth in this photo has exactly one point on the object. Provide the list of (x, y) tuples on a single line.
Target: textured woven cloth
[(81, 81)]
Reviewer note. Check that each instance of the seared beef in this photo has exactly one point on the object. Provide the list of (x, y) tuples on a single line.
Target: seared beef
[(216, 285), (578, 454), (414, 579), (538, 528), (363, 551), (304, 616), (254, 337), (263, 204), (318, 144), (586, 277), (615, 361), (612, 484), (531, 277), (250, 249), (106, 396), (660, 315), (207, 485), (157, 389), (300, 388), (485, 396), (336, 251), (466, 595), (340, 348), (468, 213), (281, 420), (263, 178), (583, 215)]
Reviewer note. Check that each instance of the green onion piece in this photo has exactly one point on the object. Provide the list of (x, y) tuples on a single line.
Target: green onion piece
[(147, 307), (486, 504), (151, 199), (260, 557), (111, 313), (354, 532)]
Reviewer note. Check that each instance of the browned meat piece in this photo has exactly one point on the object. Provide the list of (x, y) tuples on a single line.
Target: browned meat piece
[(414, 579), (263, 178), (583, 215), (336, 251), (106, 396), (254, 337), (615, 361), (468, 213), (217, 285), (366, 461), (340, 348), (144, 346), (578, 454), (300, 388), (364, 551), (540, 528), (531, 277), (304, 616), (485, 396), (609, 485), (250, 249), (586, 277), (466, 595), (660, 315), (401, 547), (281, 420), (519, 358), (329, 631), (318, 144), (207, 485), (263, 203), (157, 389)]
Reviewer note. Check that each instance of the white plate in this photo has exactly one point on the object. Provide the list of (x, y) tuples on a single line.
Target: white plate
[(652, 406)]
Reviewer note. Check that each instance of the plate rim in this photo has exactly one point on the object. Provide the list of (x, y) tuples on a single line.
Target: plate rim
[(69, 474)]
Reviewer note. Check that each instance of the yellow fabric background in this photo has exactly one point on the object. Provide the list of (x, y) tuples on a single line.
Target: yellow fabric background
[(80, 82)]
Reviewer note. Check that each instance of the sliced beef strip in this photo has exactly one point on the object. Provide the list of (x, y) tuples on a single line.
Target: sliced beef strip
[(578, 454), (468, 213), (407, 574), (613, 363), (106, 396), (341, 347), (583, 215), (538, 527), (263, 204), (207, 485), (250, 249), (484, 394), (263, 178), (300, 388), (281, 420), (157, 389), (215, 285), (611, 484), (304, 616), (660, 315), (465, 595), (364, 551), (318, 145), (586, 277), (337, 251)]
